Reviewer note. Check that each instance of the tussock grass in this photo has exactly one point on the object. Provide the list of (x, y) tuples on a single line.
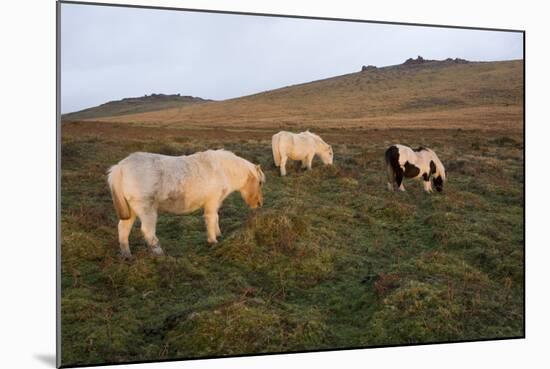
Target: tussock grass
[(441, 295), (244, 326), (280, 247)]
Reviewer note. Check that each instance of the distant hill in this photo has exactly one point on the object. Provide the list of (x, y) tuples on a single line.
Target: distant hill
[(134, 105), (451, 93)]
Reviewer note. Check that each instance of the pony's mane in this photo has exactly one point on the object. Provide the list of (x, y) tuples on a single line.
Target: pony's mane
[(251, 166), (225, 154), (316, 137)]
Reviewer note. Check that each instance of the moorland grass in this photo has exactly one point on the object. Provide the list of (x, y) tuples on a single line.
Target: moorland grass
[(332, 259), (448, 95)]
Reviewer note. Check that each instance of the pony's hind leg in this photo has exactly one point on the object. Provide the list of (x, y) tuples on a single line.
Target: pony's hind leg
[(283, 165), (399, 180), (124, 228), (148, 219), (391, 178)]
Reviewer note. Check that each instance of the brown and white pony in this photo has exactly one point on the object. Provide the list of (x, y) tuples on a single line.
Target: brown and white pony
[(422, 163)]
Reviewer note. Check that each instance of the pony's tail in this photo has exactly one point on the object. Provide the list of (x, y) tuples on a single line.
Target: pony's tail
[(392, 162), (115, 184), (276, 152)]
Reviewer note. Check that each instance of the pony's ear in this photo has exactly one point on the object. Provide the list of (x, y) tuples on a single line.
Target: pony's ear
[(260, 173)]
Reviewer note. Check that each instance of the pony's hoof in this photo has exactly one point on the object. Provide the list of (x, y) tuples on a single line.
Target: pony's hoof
[(213, 242), (126, 256), (157, 251)]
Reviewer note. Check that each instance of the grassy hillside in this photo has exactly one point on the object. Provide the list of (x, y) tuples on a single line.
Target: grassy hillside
[(134, 105), (333, 259), (429, 95)]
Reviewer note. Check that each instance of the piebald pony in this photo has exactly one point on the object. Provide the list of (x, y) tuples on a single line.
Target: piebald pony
[(404, 162)]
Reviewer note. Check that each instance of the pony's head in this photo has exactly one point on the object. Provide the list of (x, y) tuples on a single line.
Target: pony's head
[(438, 183), (439, 176), (326, 154), (323, 149), (252, 190)]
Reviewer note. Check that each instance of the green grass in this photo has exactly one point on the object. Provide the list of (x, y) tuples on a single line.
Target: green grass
[(332, 259)]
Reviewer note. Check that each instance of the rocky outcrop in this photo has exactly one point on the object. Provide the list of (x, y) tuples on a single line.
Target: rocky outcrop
[(366, 68)]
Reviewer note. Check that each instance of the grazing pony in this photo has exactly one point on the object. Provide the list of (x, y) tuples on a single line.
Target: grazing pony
[(299, 146), (143, 184), (402, 161)]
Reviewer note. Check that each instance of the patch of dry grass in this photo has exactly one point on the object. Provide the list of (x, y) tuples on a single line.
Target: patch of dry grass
[(482, 96)]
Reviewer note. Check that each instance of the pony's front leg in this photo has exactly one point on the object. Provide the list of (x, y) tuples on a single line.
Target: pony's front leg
[(428, 186), (212, 226), (309, 161), (218, 230), (149, 227)]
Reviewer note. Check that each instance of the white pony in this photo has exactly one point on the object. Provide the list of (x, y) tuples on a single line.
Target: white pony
[(143, 184), (299, 146), (402, 161)]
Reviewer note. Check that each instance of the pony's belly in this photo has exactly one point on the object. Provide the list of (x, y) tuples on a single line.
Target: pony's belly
[(293, 157), (178, 206), (412, 171), (412, 175), (296, 155)]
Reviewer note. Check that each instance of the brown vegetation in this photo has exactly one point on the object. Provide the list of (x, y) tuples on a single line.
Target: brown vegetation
[(441, 95)]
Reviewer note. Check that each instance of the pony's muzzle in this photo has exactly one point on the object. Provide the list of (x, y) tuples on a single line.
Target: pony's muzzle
[(256, 205)]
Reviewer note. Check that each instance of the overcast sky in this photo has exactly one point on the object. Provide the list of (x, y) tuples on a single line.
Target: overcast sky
[(108, 53)]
